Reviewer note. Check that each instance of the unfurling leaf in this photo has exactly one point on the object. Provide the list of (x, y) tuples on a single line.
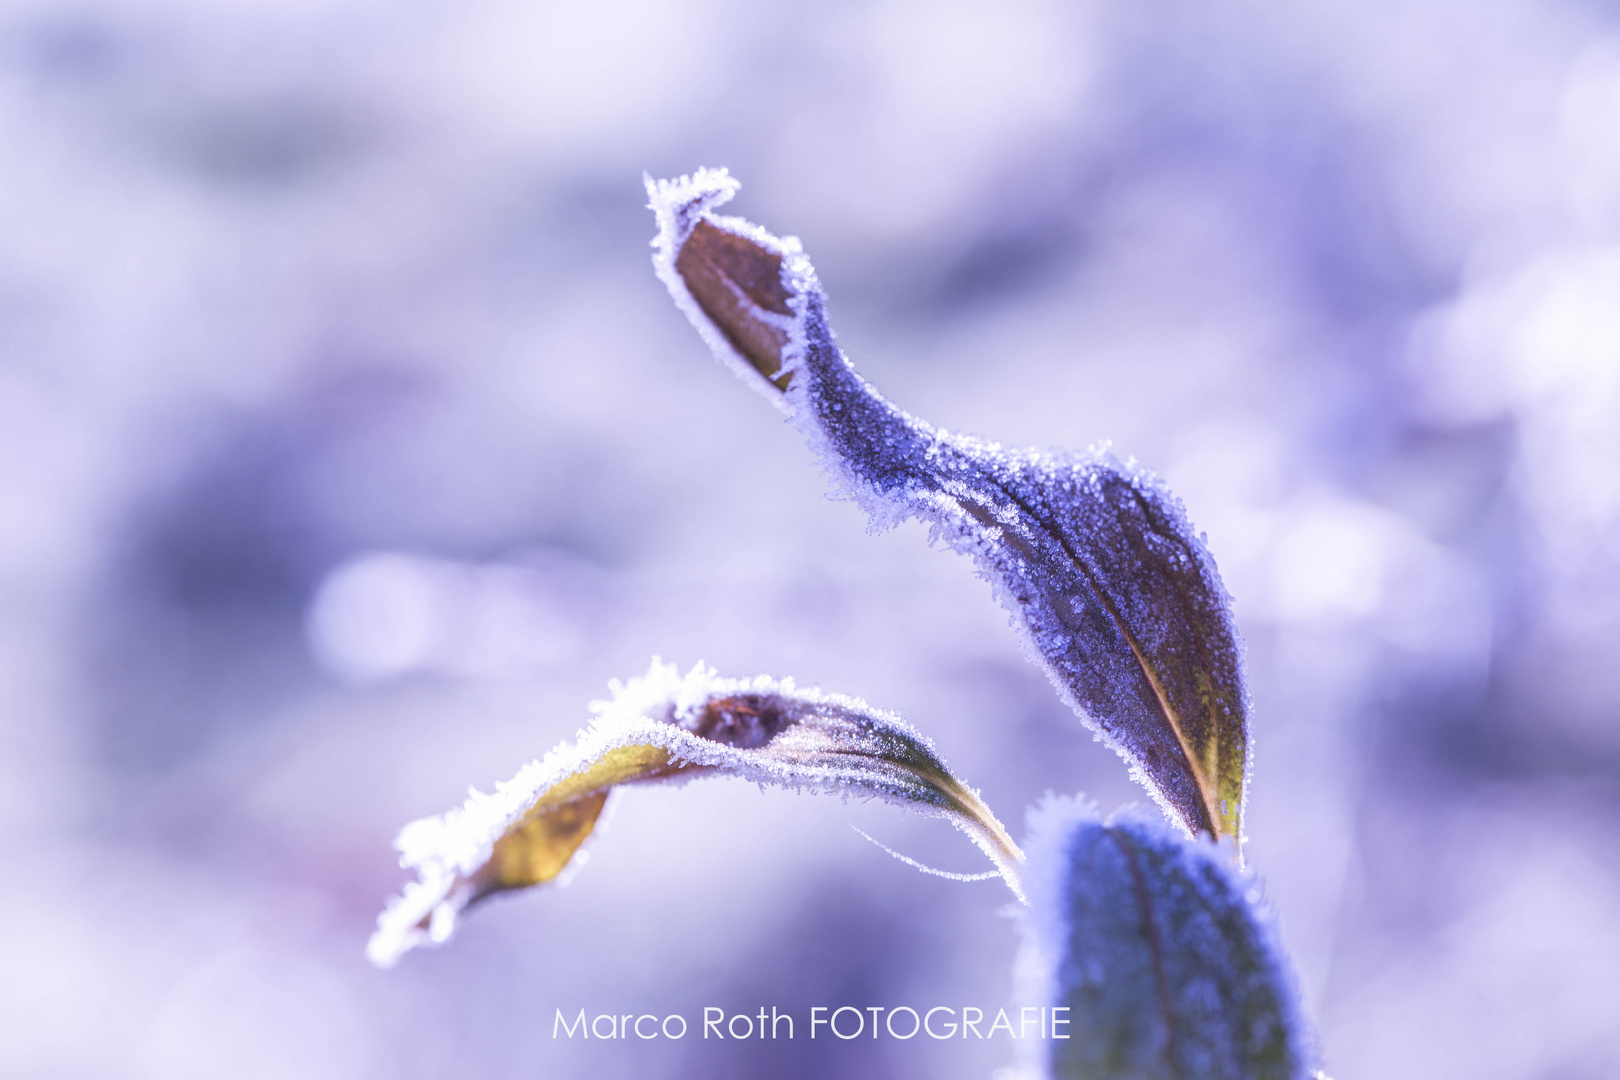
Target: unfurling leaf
[(1095, 560), (1165, 957), (661, 727)]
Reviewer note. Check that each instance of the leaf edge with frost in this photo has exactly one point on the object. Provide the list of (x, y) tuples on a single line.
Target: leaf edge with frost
[(1174, 707), (665, 727), (1161, 921)]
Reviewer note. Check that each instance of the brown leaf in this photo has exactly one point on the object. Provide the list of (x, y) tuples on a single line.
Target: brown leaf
[(738, 284)]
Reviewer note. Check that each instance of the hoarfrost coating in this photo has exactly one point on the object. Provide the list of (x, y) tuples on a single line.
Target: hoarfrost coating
[(668, 727), (1167, 959), (1106, 580)]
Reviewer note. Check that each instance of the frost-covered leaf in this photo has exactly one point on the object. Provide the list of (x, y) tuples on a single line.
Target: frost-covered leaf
[(1094, 558), (1165, 956), (660, 727)]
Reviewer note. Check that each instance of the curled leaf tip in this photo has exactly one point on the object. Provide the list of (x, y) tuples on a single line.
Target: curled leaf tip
[(667, 726), (734, 281), (1111, 589)]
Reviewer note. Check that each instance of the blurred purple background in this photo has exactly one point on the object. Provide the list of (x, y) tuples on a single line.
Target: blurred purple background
[(348, 446)]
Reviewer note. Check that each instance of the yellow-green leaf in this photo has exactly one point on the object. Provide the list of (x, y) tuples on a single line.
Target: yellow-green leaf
[(655, 728)]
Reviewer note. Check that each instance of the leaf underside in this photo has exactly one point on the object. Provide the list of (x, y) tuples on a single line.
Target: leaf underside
[(537, 848)]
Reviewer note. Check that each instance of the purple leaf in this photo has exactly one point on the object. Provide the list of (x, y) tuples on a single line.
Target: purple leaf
[(1095, 560), (1166, 960)]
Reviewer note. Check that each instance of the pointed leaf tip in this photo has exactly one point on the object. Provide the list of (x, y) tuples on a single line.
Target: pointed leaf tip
[(1108, 583), (659, 727)]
